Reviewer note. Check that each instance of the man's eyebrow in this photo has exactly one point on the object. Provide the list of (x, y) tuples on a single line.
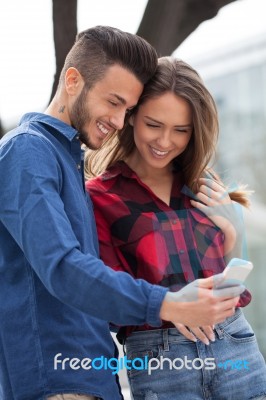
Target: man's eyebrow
[(119, 98)]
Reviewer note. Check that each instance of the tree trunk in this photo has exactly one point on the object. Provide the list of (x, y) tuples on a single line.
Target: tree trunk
[(167, 23), (1, 129), (65, 31)]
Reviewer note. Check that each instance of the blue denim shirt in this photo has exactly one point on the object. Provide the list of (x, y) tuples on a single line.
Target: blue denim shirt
[(55, 293)]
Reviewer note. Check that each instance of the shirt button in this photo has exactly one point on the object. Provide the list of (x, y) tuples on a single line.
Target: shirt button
[(181, 251), (78, 165), (77, 137), (174, 221)]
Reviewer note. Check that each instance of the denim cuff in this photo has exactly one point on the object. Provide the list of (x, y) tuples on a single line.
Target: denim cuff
[(156, 298)]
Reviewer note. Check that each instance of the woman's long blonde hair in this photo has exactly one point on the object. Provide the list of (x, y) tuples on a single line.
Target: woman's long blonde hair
[(176, 76)]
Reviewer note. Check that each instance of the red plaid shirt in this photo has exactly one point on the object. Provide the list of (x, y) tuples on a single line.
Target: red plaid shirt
[(140, 234)]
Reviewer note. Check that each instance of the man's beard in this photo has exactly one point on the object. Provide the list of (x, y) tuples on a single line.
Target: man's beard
[(79, 116)]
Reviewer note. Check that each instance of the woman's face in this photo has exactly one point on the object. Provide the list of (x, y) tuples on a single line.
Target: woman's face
[(162, 130)]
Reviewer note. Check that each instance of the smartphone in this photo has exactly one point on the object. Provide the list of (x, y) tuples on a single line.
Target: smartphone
[(236, 272)]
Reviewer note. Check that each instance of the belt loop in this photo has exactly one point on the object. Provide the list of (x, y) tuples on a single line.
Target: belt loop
[(165, 340), (124, 345), (219, 332)]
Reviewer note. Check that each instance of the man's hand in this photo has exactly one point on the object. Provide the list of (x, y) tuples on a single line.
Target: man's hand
[(200, 304)]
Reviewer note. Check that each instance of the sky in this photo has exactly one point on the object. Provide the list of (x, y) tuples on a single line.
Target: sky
[(26, 42)]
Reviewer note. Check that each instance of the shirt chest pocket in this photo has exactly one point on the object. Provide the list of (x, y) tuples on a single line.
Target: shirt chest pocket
[(139, 241)]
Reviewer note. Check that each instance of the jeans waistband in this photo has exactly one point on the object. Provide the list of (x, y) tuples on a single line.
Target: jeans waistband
[(170, 335), (157, 336), (229, 320)]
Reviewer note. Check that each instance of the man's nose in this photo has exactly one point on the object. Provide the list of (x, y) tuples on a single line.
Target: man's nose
[(118, 119)]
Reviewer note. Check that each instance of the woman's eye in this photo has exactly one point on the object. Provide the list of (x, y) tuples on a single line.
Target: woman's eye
[(181, 130), (113, 103), (153, 126)]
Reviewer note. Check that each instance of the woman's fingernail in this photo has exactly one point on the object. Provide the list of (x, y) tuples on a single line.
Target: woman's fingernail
[(212, 337)]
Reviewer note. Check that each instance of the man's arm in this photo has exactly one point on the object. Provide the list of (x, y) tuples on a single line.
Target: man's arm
[(30, 192), (33, 212)]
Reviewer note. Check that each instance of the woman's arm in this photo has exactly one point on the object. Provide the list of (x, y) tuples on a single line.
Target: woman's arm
[(215, 203)]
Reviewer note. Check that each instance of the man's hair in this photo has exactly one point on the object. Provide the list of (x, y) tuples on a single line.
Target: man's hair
[(98, 48)]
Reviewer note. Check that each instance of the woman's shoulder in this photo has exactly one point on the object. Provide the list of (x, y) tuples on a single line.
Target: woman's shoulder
[(93, 183), (102, 182)]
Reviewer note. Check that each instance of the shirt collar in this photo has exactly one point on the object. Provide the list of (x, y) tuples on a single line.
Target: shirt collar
[(119, 168), (66, 130)]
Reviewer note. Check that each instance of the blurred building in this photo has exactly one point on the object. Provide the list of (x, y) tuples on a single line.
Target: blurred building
[(236, 77)]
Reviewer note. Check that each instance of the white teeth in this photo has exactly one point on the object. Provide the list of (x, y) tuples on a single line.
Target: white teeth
[(102, 128), (159, 153)]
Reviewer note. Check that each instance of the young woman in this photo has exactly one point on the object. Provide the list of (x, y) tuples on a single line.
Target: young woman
[(164, 216)]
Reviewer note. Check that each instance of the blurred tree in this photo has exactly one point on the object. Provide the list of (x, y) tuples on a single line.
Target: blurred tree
[(65, 30), (165, 24)]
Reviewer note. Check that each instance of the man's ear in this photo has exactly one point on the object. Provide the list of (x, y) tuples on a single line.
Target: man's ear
[(73, 81)]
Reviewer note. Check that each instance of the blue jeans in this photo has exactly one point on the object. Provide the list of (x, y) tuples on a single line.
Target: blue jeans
[(231, 368)]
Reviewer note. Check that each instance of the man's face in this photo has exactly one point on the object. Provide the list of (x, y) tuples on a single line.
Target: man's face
[(98, 112)]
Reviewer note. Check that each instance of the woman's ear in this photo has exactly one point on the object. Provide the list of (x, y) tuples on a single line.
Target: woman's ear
[(131, 120)]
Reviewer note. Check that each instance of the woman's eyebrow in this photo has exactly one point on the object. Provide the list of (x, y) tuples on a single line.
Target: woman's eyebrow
[(176, 126), (152, 119)]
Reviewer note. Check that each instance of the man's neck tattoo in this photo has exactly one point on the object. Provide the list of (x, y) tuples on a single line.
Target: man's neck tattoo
[(62, 109)]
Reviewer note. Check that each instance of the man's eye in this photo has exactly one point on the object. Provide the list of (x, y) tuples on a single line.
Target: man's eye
[(113, 103)]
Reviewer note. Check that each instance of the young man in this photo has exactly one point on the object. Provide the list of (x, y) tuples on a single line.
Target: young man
[(55, 293)]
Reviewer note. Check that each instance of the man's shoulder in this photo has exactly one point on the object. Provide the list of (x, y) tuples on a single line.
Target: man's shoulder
[(39, 126), (25, 127), (27, 138), (23, 138)]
